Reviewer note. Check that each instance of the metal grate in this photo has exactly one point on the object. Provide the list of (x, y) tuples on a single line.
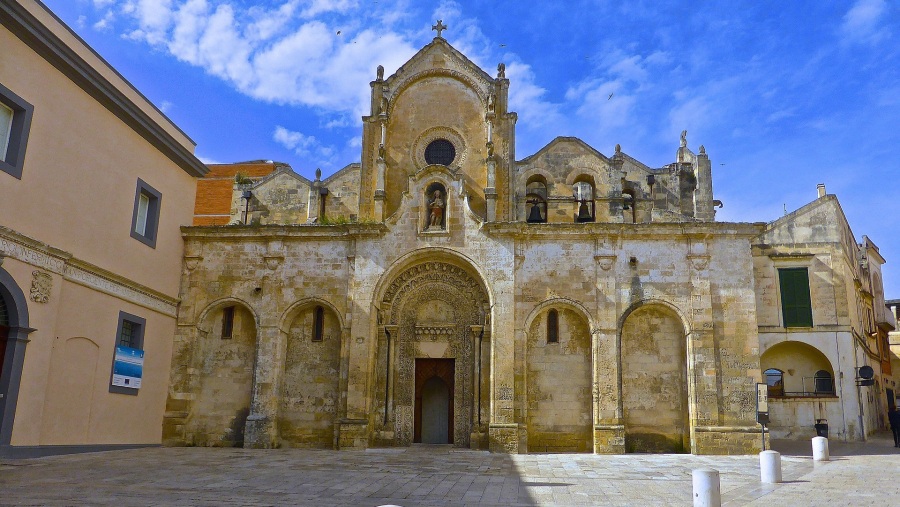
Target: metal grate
[(440, 151), (4, 314)]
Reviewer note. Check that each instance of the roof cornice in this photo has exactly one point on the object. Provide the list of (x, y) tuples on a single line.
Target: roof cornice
[(45, 43)]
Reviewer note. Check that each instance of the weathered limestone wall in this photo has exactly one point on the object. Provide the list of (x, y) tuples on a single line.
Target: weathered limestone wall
[(559, 385), (342, 201)]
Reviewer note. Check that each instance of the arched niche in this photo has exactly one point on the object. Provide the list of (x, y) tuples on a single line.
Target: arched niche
[(558, 380), (435, 208), (653, 359), (225, 365), (310, 385)]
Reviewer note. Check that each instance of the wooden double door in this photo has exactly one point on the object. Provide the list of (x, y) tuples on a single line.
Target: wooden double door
[(434, 390)]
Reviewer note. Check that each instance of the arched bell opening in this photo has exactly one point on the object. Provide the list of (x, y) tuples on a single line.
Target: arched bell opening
[(536, 199)]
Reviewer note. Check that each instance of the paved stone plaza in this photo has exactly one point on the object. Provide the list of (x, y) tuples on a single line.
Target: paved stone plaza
[(441, 476)]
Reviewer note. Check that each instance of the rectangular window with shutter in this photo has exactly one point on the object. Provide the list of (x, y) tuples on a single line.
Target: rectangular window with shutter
[(796, 305)]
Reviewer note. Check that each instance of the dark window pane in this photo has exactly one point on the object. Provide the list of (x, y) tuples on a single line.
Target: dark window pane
[(227, 322), (318, 324), (440, 151), (553, 327)]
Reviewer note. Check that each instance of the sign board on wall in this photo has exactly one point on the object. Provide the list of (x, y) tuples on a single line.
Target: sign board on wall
[(762, 403), (128, 367)]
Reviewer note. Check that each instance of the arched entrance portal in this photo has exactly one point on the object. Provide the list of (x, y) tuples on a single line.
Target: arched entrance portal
[(431, 364), (654, 381), (14, 332)]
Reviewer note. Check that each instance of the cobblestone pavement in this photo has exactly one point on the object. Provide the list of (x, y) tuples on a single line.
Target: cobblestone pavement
[(442, 476)]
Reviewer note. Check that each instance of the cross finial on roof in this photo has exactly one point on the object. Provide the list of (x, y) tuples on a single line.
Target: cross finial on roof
[(439, 27)]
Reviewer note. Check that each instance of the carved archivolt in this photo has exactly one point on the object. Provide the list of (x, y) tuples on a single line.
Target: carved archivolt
[(460, 282)]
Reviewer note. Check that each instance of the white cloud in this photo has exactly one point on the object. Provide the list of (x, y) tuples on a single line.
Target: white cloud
[(270, 54), (105, 23), (165, 106), (861, 23), (302, 144)]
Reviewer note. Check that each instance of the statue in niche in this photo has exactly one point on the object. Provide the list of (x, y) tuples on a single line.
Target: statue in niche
[(436, 217), (490, 149), (381, 152), (490, 104)]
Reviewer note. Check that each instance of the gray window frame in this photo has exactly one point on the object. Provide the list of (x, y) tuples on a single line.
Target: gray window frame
[(155, 203), (13, 161), (140, 324)]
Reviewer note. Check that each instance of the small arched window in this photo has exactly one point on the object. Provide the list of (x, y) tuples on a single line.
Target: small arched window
[(553, 327), (824, 383), (318, 333), (536, 200), (775, 381), (584, 200)]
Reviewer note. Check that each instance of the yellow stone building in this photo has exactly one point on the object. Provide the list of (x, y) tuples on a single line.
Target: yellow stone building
[(445, 291), (441, 290)]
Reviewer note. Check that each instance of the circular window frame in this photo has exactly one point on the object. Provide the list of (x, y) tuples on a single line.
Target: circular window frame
[(442, 147), (433, 134)]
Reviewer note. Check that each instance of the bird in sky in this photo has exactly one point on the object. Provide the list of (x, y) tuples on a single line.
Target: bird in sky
[(610, 96)]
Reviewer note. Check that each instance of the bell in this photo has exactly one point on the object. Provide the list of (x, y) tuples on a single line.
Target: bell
[(535, 214), (584, 214)]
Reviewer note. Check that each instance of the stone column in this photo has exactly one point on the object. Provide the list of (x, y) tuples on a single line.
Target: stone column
[(261, 431), (503, 429), (476, 437), (703, 397), (490, 192), (609, 431)]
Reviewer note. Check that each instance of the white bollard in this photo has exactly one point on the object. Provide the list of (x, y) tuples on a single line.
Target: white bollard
[(820, 449), (770, 467), (706, 488)]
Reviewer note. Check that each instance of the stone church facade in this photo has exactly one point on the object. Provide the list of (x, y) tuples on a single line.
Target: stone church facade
[(443, 291)]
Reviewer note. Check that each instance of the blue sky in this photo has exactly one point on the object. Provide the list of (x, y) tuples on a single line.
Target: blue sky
[(783, 95)]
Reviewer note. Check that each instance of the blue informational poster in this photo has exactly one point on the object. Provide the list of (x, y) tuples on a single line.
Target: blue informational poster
[(128, 367)]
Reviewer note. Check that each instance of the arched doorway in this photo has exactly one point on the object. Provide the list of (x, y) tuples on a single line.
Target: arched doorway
[(14, 330), (433, 316), (654, 381)]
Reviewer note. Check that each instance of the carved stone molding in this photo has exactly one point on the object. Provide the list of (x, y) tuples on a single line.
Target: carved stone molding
[(605, 262), (41, 285), (192, 262), (699, 262), (273, 261)]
